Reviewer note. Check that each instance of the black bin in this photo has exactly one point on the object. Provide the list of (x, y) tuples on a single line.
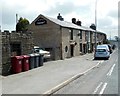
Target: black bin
[(32, 61), (37, 60), (41, 59)]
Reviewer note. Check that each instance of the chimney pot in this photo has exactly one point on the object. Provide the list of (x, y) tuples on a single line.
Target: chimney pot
[(74, 20)]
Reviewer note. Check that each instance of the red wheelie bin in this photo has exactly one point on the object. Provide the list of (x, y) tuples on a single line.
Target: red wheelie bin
[(25, 63), (16, 64)]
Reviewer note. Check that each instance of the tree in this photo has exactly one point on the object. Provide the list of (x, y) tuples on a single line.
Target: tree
[(22, 25), (116, 38), (93, 26), (106, 41)]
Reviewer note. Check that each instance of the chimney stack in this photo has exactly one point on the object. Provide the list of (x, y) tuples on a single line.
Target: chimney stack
[(79, 23), (74, 20), (60, 17)]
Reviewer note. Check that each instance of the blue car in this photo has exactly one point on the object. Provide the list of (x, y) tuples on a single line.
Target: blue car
[(102, 51)]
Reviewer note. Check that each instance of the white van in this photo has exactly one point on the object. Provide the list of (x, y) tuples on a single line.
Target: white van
[(102, 51)]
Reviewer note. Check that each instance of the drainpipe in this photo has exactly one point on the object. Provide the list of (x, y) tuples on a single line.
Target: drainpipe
[(61, 57), (89, 42)]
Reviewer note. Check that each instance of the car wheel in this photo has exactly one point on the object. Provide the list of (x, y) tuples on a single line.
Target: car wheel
[(94, 58), (107, 58)]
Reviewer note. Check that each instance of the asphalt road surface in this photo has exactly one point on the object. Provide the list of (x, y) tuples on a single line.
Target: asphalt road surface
[(101, 80)]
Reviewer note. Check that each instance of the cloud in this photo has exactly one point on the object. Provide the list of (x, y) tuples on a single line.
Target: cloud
[(0, 15), (8, 16), (67, 8), (113, 14), (84, 10), (62, 8), (107, 26), (10, 9), (104, 22)]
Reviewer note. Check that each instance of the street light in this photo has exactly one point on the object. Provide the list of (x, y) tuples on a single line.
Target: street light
[(96, 24), (0, 28)]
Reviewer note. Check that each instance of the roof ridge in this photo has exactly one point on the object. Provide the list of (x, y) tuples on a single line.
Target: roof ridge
[(68, 24), (64, 23)]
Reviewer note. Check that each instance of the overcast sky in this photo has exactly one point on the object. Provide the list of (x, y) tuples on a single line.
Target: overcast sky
[(84, 10)]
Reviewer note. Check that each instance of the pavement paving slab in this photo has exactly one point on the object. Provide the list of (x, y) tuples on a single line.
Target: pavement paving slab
[(42, 79)]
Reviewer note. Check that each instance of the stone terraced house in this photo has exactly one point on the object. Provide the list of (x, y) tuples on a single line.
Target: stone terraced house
[(63, 39)]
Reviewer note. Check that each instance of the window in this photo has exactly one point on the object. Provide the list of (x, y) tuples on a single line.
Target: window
[(80, 34), (71, 34), (66, 49), (86, 36), (80, 47), (100, 50)]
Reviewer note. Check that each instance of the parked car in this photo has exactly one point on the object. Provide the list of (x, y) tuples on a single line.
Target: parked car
[(102, 51), (110, 48), (113, 47), (39, 50)]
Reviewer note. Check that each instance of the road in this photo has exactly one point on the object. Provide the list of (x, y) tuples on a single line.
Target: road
[(101, 80)]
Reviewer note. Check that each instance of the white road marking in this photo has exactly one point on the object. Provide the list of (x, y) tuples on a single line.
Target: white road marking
[(103, 88), (97, 88), (111, 70)]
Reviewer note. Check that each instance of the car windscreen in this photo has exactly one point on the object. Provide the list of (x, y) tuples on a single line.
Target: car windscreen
[(38, 49), (100, 50)]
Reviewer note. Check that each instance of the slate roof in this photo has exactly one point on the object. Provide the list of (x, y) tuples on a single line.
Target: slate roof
[(87, 28), (68, 24)]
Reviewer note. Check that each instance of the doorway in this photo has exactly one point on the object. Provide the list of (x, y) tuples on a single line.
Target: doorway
[(84, 48), (72, 50), (15, 48)]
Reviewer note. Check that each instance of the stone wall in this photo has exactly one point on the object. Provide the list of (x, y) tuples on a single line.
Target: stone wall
[(48, 37), (65, 43), (0, 53), (26, 44)]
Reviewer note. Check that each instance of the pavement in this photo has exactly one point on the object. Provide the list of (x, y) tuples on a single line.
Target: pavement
[(0, 85), (50, 77)]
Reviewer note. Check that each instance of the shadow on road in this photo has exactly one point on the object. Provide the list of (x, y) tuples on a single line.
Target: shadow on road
[(97, 59)]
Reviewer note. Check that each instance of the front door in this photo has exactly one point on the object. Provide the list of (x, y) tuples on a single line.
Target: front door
[(72, 50)]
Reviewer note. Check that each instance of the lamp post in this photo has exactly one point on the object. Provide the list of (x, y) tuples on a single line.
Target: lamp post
[(0, 28), (95, 23)]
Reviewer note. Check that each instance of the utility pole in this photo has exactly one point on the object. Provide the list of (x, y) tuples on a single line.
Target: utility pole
[(0, 28), (110, 35), (96, 24), (16, 19)]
